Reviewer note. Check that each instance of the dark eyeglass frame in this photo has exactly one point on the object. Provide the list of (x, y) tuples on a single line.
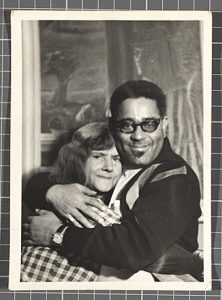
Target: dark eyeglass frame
[(135, 125)]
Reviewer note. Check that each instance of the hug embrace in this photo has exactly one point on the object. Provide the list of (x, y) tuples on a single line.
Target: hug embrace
[(118, 204)]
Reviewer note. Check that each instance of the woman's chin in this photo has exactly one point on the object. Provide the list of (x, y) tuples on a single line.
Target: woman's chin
[(104, 189)]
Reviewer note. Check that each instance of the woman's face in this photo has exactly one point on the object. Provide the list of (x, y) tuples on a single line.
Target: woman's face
[(103, 169)]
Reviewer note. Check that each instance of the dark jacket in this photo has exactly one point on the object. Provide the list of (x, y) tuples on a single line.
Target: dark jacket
[(166, 212)]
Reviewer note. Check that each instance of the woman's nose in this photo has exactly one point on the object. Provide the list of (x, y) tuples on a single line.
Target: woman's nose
[(108, 165)]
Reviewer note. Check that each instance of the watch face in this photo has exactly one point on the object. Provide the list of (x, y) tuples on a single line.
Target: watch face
[(57, 238)]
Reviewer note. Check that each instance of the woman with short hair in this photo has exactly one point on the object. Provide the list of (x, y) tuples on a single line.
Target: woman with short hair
[(90, 159)]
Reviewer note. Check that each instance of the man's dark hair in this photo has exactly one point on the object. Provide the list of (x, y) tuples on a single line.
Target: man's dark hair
[(137, 89)]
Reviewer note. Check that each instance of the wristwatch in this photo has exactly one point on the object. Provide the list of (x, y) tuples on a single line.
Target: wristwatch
[(57, 237)]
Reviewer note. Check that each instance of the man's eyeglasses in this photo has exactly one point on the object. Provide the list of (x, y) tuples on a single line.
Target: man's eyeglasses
[(149, 125)]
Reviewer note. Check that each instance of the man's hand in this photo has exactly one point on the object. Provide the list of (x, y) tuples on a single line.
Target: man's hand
[(73, 202), (39, 229)]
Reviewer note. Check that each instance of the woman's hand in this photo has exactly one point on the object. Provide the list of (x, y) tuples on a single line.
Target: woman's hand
[(74, 201), (38, 230)]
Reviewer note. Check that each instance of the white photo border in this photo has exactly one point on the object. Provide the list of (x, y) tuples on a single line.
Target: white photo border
[(16, 145)]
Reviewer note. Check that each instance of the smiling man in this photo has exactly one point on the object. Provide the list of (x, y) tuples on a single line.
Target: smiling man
[(158, 195), (140, 131)]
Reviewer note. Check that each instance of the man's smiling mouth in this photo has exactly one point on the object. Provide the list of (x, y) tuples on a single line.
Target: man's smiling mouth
[(139, 147)]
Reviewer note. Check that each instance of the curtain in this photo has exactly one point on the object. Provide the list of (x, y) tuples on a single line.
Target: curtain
[(31, 154), (167, 53)]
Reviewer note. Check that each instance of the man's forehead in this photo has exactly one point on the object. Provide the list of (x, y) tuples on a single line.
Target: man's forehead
[(138, 107)]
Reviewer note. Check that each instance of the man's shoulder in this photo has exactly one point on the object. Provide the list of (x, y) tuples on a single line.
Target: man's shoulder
[(169, 159), (162, 170), (172, 170)]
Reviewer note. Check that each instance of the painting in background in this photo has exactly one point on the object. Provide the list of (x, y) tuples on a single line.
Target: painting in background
[(82, 62), (73, 73)]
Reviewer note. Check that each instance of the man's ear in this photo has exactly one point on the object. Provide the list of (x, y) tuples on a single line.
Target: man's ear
[(165, 125)]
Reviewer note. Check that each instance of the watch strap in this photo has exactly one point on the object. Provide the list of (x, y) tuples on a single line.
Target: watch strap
[(57, 237), (61, 228)]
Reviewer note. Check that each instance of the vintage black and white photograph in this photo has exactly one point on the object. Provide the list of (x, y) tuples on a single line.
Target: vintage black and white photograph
[(110, 163)]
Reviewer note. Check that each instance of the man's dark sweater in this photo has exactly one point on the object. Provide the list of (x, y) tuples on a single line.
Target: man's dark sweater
[(165, 212)]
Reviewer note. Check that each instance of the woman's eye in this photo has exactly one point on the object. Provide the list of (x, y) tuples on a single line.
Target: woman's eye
[(97, 157), (116, 158)]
